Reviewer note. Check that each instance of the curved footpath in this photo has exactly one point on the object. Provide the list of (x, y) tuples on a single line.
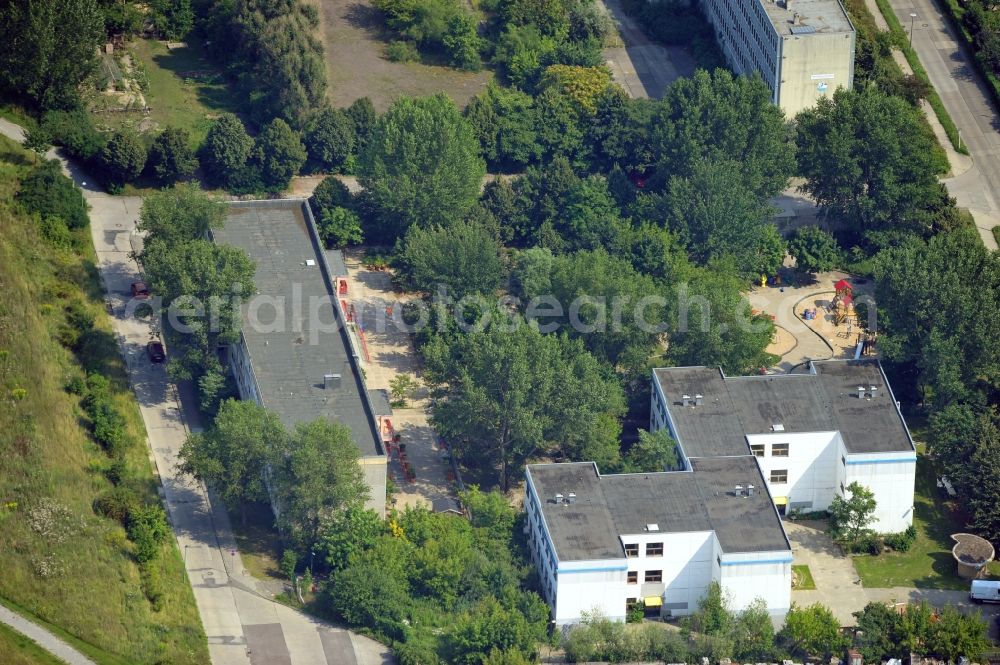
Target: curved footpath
[(43, 638), (241, 622)]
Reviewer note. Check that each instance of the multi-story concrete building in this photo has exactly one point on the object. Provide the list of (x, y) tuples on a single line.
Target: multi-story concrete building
[(657, 539), (812, 434), (751, 449), (803, 49), (295, 355)]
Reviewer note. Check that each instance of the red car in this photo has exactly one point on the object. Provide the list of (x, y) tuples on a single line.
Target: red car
[(155, 352), (140, 290)]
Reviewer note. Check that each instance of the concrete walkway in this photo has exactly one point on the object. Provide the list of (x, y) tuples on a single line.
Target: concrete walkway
[(43, 638), (390, 353), (242, 624), (839, 587)]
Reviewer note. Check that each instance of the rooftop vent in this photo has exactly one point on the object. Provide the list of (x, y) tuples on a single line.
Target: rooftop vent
[(652, 527), (559, 498), (699, 400), (571, 497), (750, 490), (738, 490), (331, 381), (777, 427), (685, 400), (310, 262)]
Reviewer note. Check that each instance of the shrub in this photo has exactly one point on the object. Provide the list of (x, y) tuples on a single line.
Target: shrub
[(866, 544), (49, 193), (902, 541), (152, 586), (123, 158), (147, 529), (75, 131), (117, 503), (171, 157), (402, 51)]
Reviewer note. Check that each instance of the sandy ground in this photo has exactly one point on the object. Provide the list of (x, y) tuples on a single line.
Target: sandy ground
[(356, 65)]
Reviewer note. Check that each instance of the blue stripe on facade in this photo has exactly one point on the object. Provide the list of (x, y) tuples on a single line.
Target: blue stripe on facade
[(896, 460), (752, 562), (592, 570)]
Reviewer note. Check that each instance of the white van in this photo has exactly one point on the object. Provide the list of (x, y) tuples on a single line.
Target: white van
[(985, 591)]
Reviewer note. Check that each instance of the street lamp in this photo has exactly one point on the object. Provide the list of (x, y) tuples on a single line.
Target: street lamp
[(913, 15)]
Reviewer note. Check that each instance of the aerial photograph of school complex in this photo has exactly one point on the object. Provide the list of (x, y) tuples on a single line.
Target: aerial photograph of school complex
[(499, 332)]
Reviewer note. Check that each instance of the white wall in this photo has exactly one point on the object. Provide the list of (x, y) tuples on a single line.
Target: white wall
[(686, 564), (811, 464), (585, 586), (747, 576), (890, 476)]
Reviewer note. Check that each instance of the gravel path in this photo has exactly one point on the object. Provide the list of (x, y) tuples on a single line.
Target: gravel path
[(43, 638)]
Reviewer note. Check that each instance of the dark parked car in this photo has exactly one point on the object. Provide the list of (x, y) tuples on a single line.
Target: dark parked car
[(155, 352), (140, 290)]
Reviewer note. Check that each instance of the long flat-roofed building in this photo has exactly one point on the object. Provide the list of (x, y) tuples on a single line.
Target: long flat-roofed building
[(295, 356), (803, 49)]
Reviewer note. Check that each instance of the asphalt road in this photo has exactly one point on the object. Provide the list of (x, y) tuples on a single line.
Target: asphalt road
[(968, 102)]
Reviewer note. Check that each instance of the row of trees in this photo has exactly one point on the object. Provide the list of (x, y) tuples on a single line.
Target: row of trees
[(312, 473)]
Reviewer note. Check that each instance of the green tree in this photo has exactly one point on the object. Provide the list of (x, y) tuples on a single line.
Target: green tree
[(179, 214), (75, 131), (315, 476), (507, 395), (620, 131), (881, 633), (123, 158), (49, 49), (279, 152), (851, 515), (716, 117), (654, 451), (226, 149), (713, 616), (718, 216), (982, 502), (814, 249), (37, 140), (371, 596), (503, 122), (329, 194), (955, 635), (812, 631), (868, 159), (464, 258), (329, 138), (347, 534), (173, 19), (340, 227), (753, 634), (232, 454), (46, 191), (362, 113), (484, 628), (421, 165), (171, 157)]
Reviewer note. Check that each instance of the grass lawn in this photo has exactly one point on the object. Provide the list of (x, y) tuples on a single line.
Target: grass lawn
[(928, 564), (804, 577), (78, 572), (185, 89), (258, 542), (20, 650)]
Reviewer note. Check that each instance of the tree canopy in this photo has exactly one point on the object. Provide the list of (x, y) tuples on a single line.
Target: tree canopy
[(464, 258), (421, 165)]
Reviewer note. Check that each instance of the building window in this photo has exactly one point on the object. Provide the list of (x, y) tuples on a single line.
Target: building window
[(843, 460), (779, 476), (654, 549), (654, 576), (631, 549), (633, 577), (779, 450), (757, 449)]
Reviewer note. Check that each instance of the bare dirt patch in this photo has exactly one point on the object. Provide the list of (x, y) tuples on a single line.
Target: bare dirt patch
[(354, 41)]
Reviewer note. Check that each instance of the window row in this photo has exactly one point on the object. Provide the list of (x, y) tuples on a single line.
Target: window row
[(652, 549), (777, 449), (650, 576)]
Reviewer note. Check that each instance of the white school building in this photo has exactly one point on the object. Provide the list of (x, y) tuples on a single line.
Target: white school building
[(752, 448)]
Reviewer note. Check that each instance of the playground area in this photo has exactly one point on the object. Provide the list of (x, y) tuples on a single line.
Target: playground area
[(818, 319)]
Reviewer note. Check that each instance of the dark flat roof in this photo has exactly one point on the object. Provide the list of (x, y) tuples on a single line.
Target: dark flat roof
[(825, 400), (607, 507), (290, 361)]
